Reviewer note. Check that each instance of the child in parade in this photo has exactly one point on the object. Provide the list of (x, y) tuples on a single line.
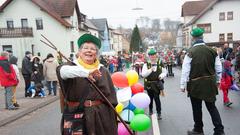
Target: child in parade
[(226, 82), (13, 61)]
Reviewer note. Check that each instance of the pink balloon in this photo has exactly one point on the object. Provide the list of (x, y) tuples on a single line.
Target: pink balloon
[(122, 130), (120, 79)]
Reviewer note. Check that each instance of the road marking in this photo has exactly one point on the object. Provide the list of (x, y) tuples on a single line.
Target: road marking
[(156, 130)]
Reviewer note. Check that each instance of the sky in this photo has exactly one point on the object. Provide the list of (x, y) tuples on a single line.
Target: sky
[(119, 12)]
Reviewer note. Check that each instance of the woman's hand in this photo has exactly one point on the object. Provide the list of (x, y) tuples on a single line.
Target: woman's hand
[(93, 74)]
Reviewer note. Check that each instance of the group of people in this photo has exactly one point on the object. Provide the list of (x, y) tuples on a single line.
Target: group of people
[(85, 111), (113, 63), (198, 79), (37, 74), (34, 72)]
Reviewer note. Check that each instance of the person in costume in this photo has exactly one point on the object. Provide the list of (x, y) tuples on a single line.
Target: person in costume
[(153, 73), (226, 81), (201, 73), (85, 111)]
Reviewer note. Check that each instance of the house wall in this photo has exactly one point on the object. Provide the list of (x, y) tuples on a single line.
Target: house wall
[(179, 40), (117, 42), (52, 29), (187, 19), (94, 32), (226, 26)]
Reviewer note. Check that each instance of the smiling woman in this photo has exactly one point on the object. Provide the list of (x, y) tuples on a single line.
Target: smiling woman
[(85, 111)]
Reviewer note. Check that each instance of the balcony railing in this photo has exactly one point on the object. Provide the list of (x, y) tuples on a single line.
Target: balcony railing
[(15, 32)]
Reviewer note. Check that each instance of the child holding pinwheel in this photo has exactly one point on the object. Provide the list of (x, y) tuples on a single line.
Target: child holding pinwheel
[(226, 82)]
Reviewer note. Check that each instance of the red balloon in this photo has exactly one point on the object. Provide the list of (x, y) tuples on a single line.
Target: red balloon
[(120, 79), (137, 88)]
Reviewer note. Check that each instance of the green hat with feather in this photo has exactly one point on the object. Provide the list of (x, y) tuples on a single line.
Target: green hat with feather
[(89, 38), (152, 51), (197, 32)]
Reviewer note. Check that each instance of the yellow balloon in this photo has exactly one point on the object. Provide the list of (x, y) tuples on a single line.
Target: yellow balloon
[(132, 77), (119, 107)]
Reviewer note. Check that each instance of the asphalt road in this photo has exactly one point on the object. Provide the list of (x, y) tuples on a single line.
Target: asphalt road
[(45, 121)]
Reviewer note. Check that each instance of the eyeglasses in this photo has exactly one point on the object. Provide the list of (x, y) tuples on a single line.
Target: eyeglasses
[(89, 48)]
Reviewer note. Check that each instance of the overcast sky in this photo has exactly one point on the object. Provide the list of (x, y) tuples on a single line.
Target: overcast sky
[(119, 12)]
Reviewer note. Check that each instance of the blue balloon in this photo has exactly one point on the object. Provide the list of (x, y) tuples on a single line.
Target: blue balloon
[(131, 106), (127, 115)]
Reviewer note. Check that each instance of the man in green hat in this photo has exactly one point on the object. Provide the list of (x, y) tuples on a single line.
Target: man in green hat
[(153, 73), (201, 73)]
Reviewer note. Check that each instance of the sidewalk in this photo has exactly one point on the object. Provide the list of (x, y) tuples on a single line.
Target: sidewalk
[(27, 105)]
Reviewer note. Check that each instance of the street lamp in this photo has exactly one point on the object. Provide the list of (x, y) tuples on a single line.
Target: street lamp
[(137, 8)]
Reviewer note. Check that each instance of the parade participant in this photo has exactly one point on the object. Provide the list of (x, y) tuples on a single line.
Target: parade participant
[(27, 70), (153, 73), (85, 110), (226, 81), (8, 79), (200, 70)]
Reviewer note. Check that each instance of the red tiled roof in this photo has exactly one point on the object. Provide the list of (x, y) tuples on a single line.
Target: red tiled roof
[(55, 8), (192, 8), (64, 8)]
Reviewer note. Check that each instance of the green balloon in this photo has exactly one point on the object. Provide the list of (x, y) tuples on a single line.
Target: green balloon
[(140, 122), (138, 111)]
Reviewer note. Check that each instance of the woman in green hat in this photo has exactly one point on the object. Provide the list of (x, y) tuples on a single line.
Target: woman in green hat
[(85, 111)]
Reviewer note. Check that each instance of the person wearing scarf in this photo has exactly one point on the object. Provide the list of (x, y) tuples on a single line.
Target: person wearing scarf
[(81, 99), (201, 73)]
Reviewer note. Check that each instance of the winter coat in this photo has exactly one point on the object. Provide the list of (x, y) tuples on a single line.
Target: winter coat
[(49, 69), (7, 74), (26, 66)]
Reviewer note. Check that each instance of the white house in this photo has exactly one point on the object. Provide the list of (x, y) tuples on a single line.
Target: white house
[(104, 35), (117, 41), (23, 21), (219, 18), (179, 36), (91, 28)]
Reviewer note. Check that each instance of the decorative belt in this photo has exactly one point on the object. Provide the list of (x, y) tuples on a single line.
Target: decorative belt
[(197, 78), (90, 103), (87, 103)]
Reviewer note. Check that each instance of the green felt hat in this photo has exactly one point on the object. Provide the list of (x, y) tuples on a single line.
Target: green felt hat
[(152, 52), (89, 38), (197, 32)]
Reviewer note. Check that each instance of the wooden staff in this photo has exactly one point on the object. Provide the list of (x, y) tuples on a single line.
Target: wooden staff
[(51, 45)]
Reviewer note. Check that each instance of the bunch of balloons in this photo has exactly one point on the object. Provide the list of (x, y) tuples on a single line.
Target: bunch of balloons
[(131, 102)]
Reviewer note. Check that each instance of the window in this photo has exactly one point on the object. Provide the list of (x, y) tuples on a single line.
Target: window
[(6, 47), (221, 37), (229, 37), (221, 16), (206, 27), (230, 15), (24, 23), (72, 46), (39, 24), (10, 24)]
